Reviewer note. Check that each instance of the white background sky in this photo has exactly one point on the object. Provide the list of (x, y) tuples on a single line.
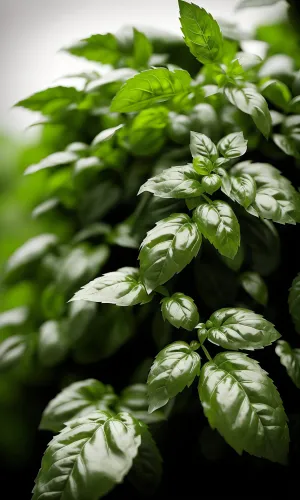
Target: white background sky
[(33, 31)]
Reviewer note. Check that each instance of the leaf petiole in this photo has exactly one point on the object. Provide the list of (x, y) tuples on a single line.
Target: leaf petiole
[(206, 353)]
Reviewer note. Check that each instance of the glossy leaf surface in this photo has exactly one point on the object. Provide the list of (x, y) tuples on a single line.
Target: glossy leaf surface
[(75, 401), (174, 368), (167, 249), (218, 223), (237, 328), (122, 288), (180, 310), (88, 457), (243, 404)]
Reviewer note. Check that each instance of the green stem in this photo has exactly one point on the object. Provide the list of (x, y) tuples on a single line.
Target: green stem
[(206, 353), (206, 198)]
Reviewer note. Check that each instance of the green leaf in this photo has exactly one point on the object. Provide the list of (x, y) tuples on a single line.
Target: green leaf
[(275, 197), (142, 49), (294, 302), (243, 189), (263, 241), (243, 404), (202, 165), (53, 160), (146, 471), (294, 105), (201, 33), (174, 182), (180, 310), (147, 133), (105, 335), (256, 287), (113, 440), (53, 344), (277, 93), (52, 100), (105, 135), (290, 358), (94, 230), (201, 145), (81, 314), (31, 251), (251, 102), (45, 207), (167, 249), (174, 368), (218, 223), (149, 87), (80, 265), (233, 145), (179, 128), (134, 400), (122, 288), (286, 144), (245, 4), (100, 48), (12, 351), (14, 318), (237, 328), (211, 183), (75, 401)]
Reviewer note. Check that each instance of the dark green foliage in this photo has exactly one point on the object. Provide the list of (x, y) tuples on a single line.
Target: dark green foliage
[(157, 240)]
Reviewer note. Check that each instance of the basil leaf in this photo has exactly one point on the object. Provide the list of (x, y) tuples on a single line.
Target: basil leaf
[(294, 105), (142, 49), (167, 249), (263, 241), (201, 33), (12, 351), (243, 404), (148, 131), (134, 400), (77, 400), (202, 165), (14, 318), (52, 100), (81, 314), (53, 160), (114, 440), (218, 223), (180, 310), (31, 251), (277, 93), (233, 145), (251, 102), (122, 288), (294, 302), (286, 144), (211, 183), (53, 343), (201, 145), (237, 328), (149, 87), (290, 358), (146, 471), (174, 368), (179, 128), (275, 197), (96, 344), (245, 4), (174, 182), (256, 287), (99, 48), (106, 134), (243, 189)]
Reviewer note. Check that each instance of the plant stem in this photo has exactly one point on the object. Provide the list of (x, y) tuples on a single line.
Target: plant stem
[(206, 353), (206, 198)]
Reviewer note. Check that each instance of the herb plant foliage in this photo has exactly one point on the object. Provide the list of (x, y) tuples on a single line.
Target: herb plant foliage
[(168, 169)]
